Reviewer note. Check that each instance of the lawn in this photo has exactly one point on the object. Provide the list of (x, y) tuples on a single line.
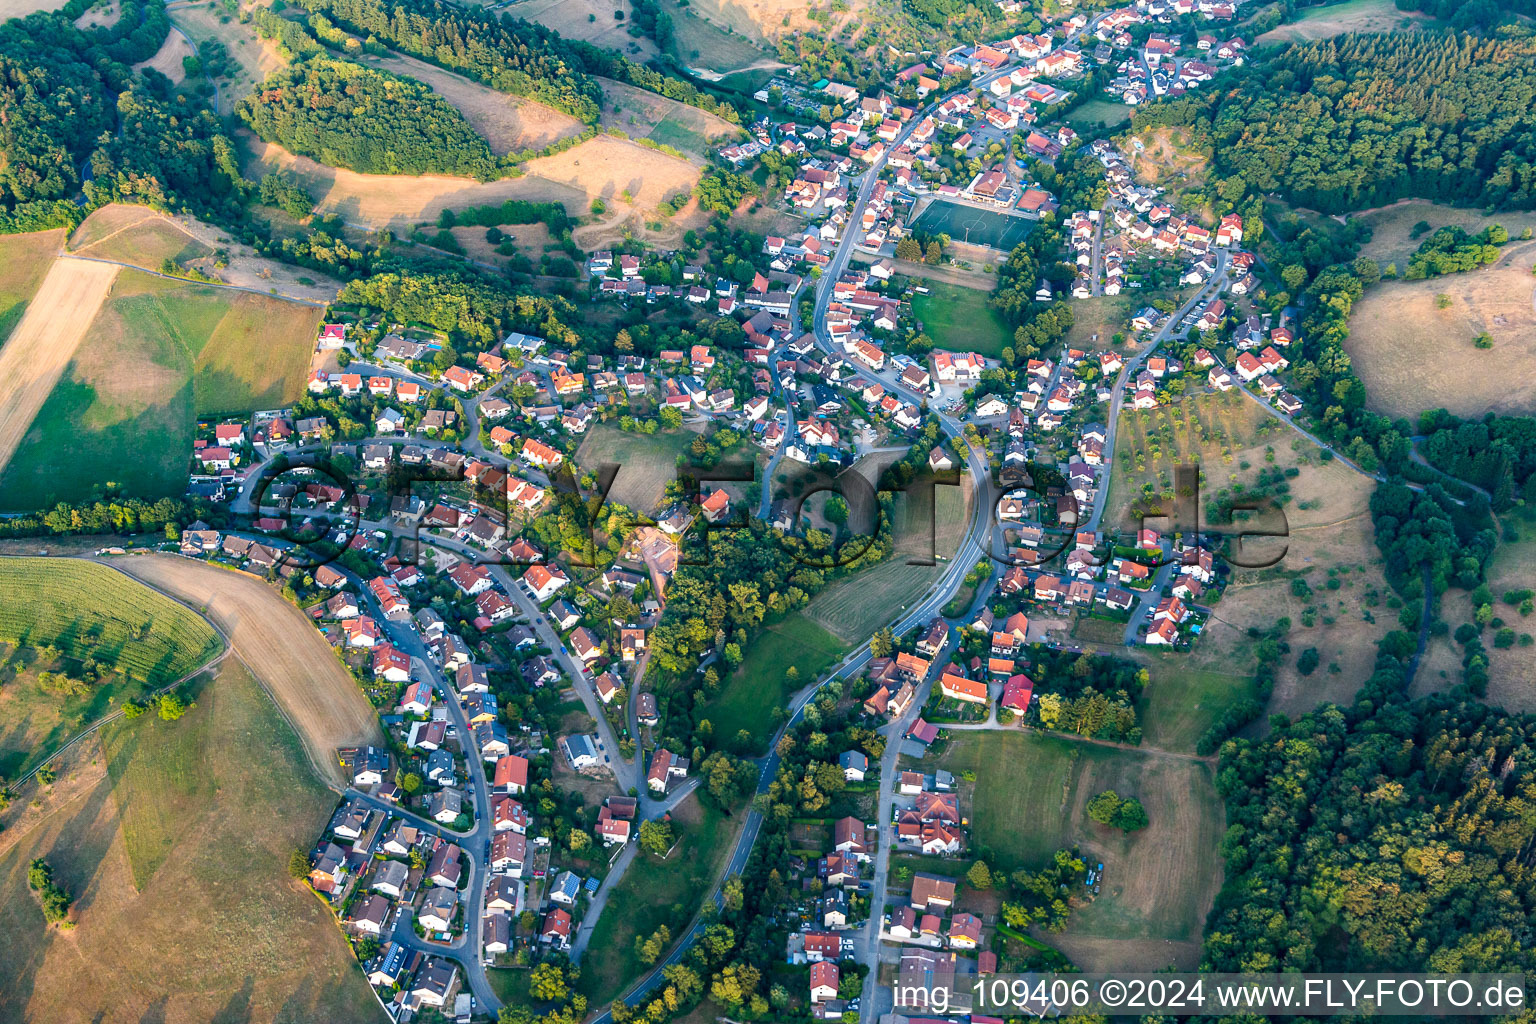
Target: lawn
[(647, 462), (749, 695), (961, 319), (1095, 112), (1181, 702), (24, 262), (1029, 801), (178, 858), (854, 607), (159, 354), (652, 893), (80, 611)]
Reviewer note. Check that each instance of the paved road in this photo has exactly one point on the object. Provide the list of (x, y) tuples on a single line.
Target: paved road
[(467, 949)]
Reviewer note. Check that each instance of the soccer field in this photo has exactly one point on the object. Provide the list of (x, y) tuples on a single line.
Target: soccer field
[(974, 226)]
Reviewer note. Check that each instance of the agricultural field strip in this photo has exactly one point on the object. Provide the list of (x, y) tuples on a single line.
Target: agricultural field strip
[(318, 698), (45, 340)]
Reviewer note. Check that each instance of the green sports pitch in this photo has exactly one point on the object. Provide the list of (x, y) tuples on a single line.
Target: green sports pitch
[(973, 226)]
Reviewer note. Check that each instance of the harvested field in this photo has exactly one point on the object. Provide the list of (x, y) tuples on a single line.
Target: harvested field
[(282, 649), (44, 341), (24, 262), (255, 57), (592, 20), (175, 844), (168, 59), (509, 123), (1158, 883), (21, 8), (608, 168), (1392, 226), (1327, 21), (385, 201), (159, 353), (1414, 355)]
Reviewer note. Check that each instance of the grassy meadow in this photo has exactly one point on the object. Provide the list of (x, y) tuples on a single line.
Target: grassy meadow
[(652, 893), (62, 616), (1030, 800), (748, 695), (177, 859)]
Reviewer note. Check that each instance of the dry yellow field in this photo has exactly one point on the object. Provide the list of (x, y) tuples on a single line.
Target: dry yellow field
[(255, 56), (1335, 533), (174, 840), (388, 201), (509, 123), (569, 18), (125, 233), (101, 17), (281, 648), (21, 8), (769, 19), (1392, 226), (42, 345), (638, 113), (167, 60), (607, 168), (1413, 355)]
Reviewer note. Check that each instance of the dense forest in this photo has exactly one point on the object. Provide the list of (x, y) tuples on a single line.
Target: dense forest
[(346, 115), (1380, 838), (1364, 120), (508, 54), (71, 104)]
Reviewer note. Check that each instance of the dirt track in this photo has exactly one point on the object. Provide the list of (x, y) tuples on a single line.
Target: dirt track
[(42, 345), (280, 647)]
